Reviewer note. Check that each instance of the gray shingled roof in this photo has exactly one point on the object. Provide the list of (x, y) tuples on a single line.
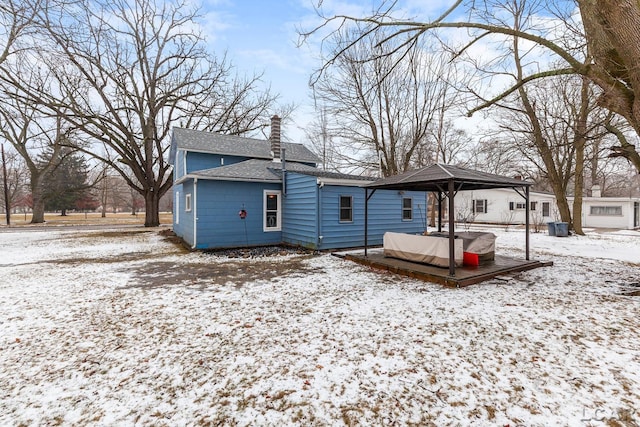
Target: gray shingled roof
[(335, 175), (232, 145), (437, 176), (265, 171), (250, 170)]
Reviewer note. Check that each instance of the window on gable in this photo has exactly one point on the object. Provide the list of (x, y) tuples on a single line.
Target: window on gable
[(407, 209), (346, 209), (272, 214), (479, 206), (606, 210), (187, 203)]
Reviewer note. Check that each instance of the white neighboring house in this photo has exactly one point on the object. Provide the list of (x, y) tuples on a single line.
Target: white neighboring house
[(505, 206), (609, 212)]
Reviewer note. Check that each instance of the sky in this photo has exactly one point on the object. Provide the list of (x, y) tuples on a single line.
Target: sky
[(262, 36)]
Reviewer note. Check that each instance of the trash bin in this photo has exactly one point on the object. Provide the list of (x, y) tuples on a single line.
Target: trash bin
[(562, 229), (552, 228)]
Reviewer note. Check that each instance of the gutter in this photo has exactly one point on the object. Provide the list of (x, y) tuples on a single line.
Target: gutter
[(342, 182)]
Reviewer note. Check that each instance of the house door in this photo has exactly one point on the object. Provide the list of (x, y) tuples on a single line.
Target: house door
[(636, 214)]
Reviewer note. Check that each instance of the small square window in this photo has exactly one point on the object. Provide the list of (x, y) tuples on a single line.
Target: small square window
[(479, 206)]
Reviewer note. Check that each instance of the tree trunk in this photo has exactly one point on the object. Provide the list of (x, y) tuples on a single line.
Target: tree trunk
[(7, 199), (612, 29), (580, 140), (152, 208), (37, 216)]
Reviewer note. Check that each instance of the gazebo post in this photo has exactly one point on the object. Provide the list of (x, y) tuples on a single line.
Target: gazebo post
[(440, 211), (526, 221), (452, 247)]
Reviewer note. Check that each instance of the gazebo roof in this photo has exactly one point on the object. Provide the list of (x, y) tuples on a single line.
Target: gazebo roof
[(437, 177)]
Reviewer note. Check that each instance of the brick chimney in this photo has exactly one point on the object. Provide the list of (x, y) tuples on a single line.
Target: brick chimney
[(274, 138)]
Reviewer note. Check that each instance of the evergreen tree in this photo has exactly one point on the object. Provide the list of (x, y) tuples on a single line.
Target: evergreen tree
[(67, 183)]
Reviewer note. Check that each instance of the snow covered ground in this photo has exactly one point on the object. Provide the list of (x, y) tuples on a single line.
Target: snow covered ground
[(124, 327)]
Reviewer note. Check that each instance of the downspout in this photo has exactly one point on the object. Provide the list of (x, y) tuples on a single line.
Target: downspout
[(366, 220), (284, 172), (367, 196), (318, 215), (526, 192), (195, 213)]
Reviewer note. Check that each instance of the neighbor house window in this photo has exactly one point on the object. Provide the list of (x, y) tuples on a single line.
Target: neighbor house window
[(606, 210), (187, 203), (533, 206), (517, 205), (346, 209), (407, 209), (546, 209), (272, 213), (479, 206)]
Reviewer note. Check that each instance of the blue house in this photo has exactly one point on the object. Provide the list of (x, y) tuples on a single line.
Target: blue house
[(232, 191)]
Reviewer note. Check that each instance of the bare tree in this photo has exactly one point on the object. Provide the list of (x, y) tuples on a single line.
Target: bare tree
[(129, 70), (15, 20), (383, 110), (610, 28), (31, 133), (15, 181)]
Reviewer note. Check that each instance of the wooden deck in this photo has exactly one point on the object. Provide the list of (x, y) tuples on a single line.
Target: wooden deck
[(464, 276)]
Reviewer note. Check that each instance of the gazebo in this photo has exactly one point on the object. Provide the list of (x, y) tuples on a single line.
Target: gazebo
[(447, 181)]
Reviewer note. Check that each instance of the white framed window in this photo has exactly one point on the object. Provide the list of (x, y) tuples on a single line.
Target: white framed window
[(272, 218), (407, 209), (533, 206), (346, 209), (606, 210), (479, 206), (187, 202)]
